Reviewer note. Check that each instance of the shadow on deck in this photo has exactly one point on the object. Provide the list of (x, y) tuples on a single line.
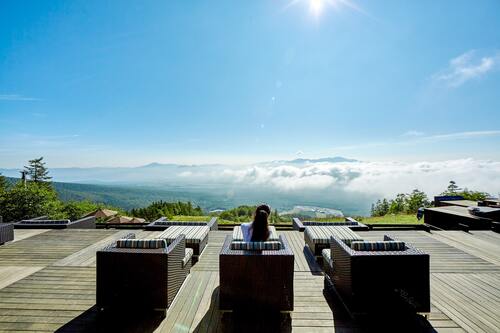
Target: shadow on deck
[(93, 320)]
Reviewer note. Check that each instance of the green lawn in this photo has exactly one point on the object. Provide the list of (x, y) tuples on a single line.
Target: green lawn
[(391, 219), (199, 219), (388, 219)]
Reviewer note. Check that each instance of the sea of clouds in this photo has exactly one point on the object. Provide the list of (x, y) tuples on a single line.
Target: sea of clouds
[(384, 179)]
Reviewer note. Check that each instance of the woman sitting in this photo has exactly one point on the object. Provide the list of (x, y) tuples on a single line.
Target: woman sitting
[(257, 231)]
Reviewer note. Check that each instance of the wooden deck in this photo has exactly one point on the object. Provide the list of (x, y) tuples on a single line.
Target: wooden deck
[(47, 283)]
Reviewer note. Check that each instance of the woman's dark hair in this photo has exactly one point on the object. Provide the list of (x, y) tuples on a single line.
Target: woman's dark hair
[(260, 230)]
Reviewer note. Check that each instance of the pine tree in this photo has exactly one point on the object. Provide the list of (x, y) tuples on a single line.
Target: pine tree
[(3, 184), (453, 189), (37, 170)]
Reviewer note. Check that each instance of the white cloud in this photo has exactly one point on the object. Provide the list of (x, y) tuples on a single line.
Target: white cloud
[(462, 135), (415, 137), (467, 66), (16, 98), (373, 178), (413, 133)]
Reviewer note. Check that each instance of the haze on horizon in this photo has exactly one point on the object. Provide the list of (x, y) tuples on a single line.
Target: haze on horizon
[(87, 84)]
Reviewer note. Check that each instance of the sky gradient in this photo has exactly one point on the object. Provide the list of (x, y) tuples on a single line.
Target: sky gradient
[(127, 83)]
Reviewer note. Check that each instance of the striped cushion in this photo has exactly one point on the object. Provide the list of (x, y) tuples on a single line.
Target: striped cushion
[(194, 234), (256, 246), (132, 243), (327, 255), (180, 223), (44, 221), (308, 223), (378, 246), (188, 254), (238, 234), (321, 235)]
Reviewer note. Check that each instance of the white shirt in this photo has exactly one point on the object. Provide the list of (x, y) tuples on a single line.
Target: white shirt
[(246, 229)]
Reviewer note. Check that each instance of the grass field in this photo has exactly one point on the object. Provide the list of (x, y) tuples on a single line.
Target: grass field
[(391, 219), (388, 219), (199, 219)]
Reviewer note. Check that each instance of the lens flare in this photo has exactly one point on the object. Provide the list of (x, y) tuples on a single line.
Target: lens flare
[(316, 7)]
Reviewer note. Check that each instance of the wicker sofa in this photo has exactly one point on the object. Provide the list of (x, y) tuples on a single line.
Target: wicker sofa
[(349, 222), (162, 224), (6, 233), (256, 279), (141, 278), (83, 223), (196, 237), (390, 274)]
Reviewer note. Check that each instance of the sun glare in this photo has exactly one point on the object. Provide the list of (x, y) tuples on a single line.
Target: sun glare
[(316, 7)]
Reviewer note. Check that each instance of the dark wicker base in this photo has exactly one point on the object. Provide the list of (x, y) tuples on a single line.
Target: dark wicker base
[(371, 281), (140, 278), (252, 280), (6, 233)]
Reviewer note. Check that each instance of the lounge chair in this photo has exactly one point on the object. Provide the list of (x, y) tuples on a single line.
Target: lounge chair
[(196, 237), (317, 238), (371, 277), (141, 274), (256, 275), (349, 222), (6, 233), (162, 224), (83, 223)]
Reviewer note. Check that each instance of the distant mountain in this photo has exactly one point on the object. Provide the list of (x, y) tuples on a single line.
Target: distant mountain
[(336, 159), (158, 173), (211, 197)]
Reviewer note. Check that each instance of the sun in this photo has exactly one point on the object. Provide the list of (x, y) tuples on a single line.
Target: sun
[(319, 7), (316, 7)]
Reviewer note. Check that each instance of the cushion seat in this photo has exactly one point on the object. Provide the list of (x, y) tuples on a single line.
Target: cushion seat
[(187, 256), (194, 234), (318, 237), (324, 224), (321, 235), (132, 243), (238, 234), (196, 237), (256, 246)]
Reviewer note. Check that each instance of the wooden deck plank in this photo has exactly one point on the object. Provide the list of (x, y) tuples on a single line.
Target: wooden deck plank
[(465, 285), (11, 274), (20, 234), (48, 247), (87, 256)]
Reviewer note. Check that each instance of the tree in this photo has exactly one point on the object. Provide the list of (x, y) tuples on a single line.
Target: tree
[(473, 195), (29, 201), (398, 205), (37, 171), (3, 184), (415, 200), (452, 188)]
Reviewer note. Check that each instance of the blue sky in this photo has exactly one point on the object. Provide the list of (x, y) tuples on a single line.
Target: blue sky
[(94, 83)]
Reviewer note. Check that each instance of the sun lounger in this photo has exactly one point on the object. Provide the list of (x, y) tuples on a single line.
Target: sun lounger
[(84, 223), (349, 222), (317, 238), (196, 237), (163, 223)]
